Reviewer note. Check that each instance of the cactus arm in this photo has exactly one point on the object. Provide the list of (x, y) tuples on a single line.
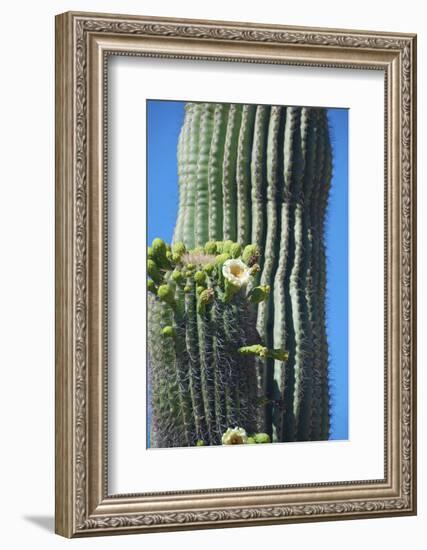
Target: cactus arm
[(191, 185), (229, 196), (202, 184), (243, 174), (216, 157)]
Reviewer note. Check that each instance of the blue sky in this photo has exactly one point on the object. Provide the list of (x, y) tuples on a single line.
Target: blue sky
[(164, 120)]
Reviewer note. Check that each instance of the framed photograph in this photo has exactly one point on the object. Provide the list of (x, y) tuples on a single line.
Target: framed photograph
[(235, 274)]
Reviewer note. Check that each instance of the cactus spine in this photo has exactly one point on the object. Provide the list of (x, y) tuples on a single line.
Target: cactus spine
[(262, 174)]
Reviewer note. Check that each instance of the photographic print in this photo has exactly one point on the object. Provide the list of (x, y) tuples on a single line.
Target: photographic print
[(235, 274), (247, 265)]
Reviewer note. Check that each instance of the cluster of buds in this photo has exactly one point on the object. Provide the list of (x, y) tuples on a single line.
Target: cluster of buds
[(238, 436), (219, 270)]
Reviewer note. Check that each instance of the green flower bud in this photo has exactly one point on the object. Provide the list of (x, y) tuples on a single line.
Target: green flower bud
[(187, 289), (151, 286), (150, 253), (251, 254), (259, 294), (262, 438), (255, 349), (169, 331), (159, 247), (279, 354), (199, 289), (176, 258), (208, 268), (206, 297), (177, 276), (235, 250), (179, 248), (210, 247), (219, 260), (160, 253), (254, 270), (226, 247), (153, 271), (200, 443), (264, 352), (190, 267), (200, 277), (166, 294), (219, 247), (251, 440)]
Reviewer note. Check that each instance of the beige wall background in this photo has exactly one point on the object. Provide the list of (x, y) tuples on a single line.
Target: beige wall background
[(27, 273)]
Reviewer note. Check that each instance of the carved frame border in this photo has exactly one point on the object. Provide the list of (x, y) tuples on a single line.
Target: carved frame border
[(83, 43)]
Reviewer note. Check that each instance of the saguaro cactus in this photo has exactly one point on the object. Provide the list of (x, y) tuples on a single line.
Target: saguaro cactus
[(261, 174), (203, 343)]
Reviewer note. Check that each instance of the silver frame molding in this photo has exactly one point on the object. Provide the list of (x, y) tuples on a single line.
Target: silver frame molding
[(83, 43)]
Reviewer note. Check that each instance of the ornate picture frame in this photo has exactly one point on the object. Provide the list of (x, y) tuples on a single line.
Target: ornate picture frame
[(84, 42)]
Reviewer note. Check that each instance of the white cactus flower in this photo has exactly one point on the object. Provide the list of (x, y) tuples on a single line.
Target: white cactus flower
[(234, 436), (236, 272)]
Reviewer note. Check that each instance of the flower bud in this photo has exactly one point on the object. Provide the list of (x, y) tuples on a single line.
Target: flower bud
[(179, 248), (235, 250), (177, 276), (210, 247), (226, 247), (208, 268), (166, 294), (250, 254), (153, 271), (206, 297), (159, 252), (219, 260), (200, 278), (262, 438), (169, 331), (259, 294)]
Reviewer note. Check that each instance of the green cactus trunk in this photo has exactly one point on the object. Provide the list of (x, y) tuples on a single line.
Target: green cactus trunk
[(260, 174), (201, 384)]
